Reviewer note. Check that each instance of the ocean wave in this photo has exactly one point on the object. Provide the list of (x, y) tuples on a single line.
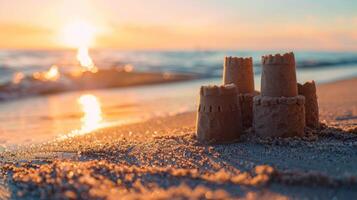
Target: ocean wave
[(215, 69), (109, 78), (203, 64), (326, 63)]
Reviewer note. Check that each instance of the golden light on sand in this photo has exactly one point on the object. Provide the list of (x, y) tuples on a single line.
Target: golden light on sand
[(92, 111)]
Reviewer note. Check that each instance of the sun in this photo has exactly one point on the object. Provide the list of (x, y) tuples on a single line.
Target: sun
[(78, 34)]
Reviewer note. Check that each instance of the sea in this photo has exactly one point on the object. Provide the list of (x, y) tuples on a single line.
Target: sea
[(32, 119)]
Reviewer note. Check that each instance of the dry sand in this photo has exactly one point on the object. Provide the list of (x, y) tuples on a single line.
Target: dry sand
[(161, 159)]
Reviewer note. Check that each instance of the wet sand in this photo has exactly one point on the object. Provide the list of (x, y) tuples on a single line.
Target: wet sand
[(161, 159)]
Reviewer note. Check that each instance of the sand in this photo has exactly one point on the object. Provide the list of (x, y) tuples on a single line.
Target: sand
[(161, 159)]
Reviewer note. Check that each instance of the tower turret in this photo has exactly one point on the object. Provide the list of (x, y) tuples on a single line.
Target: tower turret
[(308, 90), (279, 111), (239, 71), (279, 76), (219, 115)]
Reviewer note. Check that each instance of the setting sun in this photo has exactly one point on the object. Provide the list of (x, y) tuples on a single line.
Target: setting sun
[(81, 35), (78, 34)]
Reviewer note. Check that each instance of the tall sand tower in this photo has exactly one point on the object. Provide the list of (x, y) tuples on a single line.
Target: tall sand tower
[(219, 115), (239, 71), (308, 90), (279, 111)]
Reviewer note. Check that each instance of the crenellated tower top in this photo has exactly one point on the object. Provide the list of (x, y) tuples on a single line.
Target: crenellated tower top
[(239, 71), (238, 61), (279, 75), (214, 90), (277, 59)]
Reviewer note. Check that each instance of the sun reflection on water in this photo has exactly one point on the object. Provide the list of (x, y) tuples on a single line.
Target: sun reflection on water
[(92, 118), (52, 74), (92, 113)]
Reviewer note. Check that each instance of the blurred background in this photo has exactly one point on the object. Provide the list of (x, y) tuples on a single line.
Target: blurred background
[(47, 47)]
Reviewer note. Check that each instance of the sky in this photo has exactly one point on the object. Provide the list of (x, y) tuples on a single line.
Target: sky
[(179, 24)]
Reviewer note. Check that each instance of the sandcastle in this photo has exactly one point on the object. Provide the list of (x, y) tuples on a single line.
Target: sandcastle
[(219, 115), (239, 71), (308, 90), (282, 109), (279, 111)]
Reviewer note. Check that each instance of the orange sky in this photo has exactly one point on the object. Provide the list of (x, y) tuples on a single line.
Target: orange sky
[(175, 24)]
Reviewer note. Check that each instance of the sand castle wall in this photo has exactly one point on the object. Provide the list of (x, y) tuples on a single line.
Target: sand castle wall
[(279, 116), (246, 105), (279, 76), (219, 115), (308, 90), (239, 71), (279, 111)]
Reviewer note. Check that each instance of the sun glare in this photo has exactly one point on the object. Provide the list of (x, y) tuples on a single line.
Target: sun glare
[(78, 34), (52, 74), (18, 77), (85, 60), (81, 34)]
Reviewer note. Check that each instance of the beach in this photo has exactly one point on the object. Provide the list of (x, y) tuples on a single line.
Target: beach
[(107, 100), (161, 159)]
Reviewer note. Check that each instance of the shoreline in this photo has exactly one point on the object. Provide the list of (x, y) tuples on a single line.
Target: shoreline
[(162, 155), (103, 79), (108, 79)]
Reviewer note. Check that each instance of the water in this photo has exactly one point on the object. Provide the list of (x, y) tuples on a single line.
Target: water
[(42, 118), (208, 63)]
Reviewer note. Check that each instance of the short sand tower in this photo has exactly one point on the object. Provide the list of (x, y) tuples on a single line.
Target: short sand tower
[(219, 115), (239, 71), (308, 90), (279, 111)]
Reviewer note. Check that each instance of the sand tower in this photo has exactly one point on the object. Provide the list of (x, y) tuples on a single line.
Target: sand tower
[(219, 115), (308, 90), (239, 71), (279, 111)]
